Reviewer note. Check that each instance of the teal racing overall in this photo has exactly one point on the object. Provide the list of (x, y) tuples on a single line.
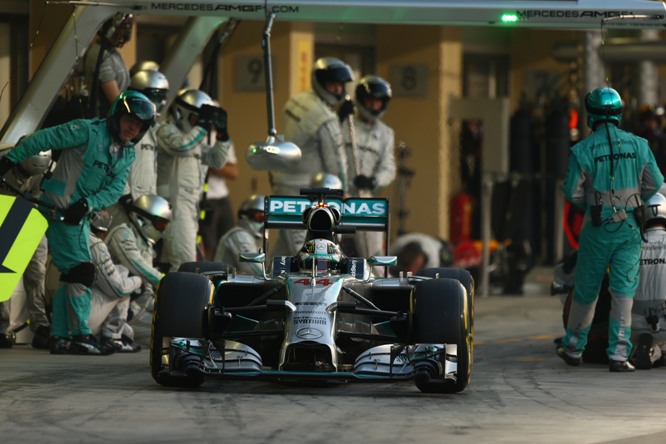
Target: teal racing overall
[(608, 182), (91, 166)]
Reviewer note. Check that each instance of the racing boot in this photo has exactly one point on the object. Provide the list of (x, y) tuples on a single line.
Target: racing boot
[(129, 346), (567, 358), (58, 345), (122, 345), (7, 340), (40, 339), (661, 360), (644, 352), (620, 366), (84, 345)]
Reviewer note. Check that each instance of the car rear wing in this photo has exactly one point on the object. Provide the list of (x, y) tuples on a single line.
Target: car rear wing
[(356, 213)]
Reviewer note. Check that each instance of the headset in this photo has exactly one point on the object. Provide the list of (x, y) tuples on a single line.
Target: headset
[(112, 25)]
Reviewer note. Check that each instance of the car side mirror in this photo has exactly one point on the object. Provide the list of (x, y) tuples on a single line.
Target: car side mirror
[(383, 261), (256, 258)]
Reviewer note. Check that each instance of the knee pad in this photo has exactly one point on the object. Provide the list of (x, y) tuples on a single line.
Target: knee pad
[(84, 273)]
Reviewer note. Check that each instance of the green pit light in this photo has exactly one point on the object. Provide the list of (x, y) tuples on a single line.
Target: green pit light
[(509, 18)]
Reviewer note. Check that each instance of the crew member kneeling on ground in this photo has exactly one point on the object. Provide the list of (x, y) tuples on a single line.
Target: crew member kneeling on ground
[(648, 325)]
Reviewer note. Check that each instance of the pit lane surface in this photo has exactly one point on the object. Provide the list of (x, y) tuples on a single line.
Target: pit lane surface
[(520, 393)]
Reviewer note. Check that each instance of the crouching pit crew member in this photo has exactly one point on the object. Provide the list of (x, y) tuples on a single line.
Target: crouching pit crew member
[(95, 156)]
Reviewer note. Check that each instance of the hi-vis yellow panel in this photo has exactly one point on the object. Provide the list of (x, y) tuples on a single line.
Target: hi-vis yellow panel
[(21, 229)]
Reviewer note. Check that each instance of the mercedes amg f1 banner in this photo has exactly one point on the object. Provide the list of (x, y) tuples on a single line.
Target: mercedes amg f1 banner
[(22, 226)]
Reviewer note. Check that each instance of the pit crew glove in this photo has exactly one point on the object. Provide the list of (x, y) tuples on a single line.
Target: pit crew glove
[(206, 113), (220, 123), (5, 166), (365, 182), (345, 110), (75, 212)]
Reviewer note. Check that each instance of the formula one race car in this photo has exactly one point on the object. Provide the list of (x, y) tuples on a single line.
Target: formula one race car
[(319, 316)]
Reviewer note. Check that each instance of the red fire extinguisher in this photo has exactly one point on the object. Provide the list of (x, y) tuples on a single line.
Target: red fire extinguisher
[(461, 218)]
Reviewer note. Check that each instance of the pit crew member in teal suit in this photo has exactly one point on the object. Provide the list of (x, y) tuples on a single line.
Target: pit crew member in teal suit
[(94, 157), (610, 174)]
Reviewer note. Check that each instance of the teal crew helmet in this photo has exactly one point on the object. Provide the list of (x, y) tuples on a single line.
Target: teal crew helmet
[(133, 104), (603, 105)]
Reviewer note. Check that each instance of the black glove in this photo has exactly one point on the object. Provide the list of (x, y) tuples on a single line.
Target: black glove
[(345, 109), (220, 124), (5, 165), (206, 113), (365, 182), (75, 212)]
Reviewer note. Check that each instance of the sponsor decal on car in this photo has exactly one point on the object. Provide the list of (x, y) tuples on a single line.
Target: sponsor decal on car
[(279, 205)]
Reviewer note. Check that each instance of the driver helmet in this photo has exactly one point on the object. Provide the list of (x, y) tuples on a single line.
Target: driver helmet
[(36, 165), (375, 87), (101, 221), (153, 84), (330, 69), (251, 215), (150, 214), (655, 213), (188, 104), (117, 30), (136, 105), (324, 253), (603, 105)]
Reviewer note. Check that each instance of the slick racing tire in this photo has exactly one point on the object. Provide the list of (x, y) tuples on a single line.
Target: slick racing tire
[(202, 267), (440, 315), (466, 279), (180, 311)]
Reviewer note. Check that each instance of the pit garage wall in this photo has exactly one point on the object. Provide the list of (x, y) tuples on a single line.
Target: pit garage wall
[(422, 121)]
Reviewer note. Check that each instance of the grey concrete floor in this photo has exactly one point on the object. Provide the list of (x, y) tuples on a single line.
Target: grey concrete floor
[(520, 393)]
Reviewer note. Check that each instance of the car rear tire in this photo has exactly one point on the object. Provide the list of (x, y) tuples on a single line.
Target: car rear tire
[(440, 315), (180, 311)]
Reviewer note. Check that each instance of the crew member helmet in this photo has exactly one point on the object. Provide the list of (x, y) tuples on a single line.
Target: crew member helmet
[(656, 210), (152, 84), (188, 104), (101, 221), (330, 69), (150, 214), (135, 105), (372, 87), (36, 165), (144, 65), (326, 180), (603, 105), (251, 215), (323, 253)]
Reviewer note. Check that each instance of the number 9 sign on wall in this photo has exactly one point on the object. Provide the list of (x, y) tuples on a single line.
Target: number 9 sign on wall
[(249, 73)]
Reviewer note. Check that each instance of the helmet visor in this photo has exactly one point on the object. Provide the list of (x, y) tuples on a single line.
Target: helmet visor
[(160, 224), (257, 216), (337, 74), (139, 108), (156, 95)]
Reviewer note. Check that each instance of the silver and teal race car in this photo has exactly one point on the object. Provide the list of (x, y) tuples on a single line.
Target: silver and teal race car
[(319, 316)]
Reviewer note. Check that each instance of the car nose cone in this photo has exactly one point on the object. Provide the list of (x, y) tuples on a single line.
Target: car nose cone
[(309, 333)]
